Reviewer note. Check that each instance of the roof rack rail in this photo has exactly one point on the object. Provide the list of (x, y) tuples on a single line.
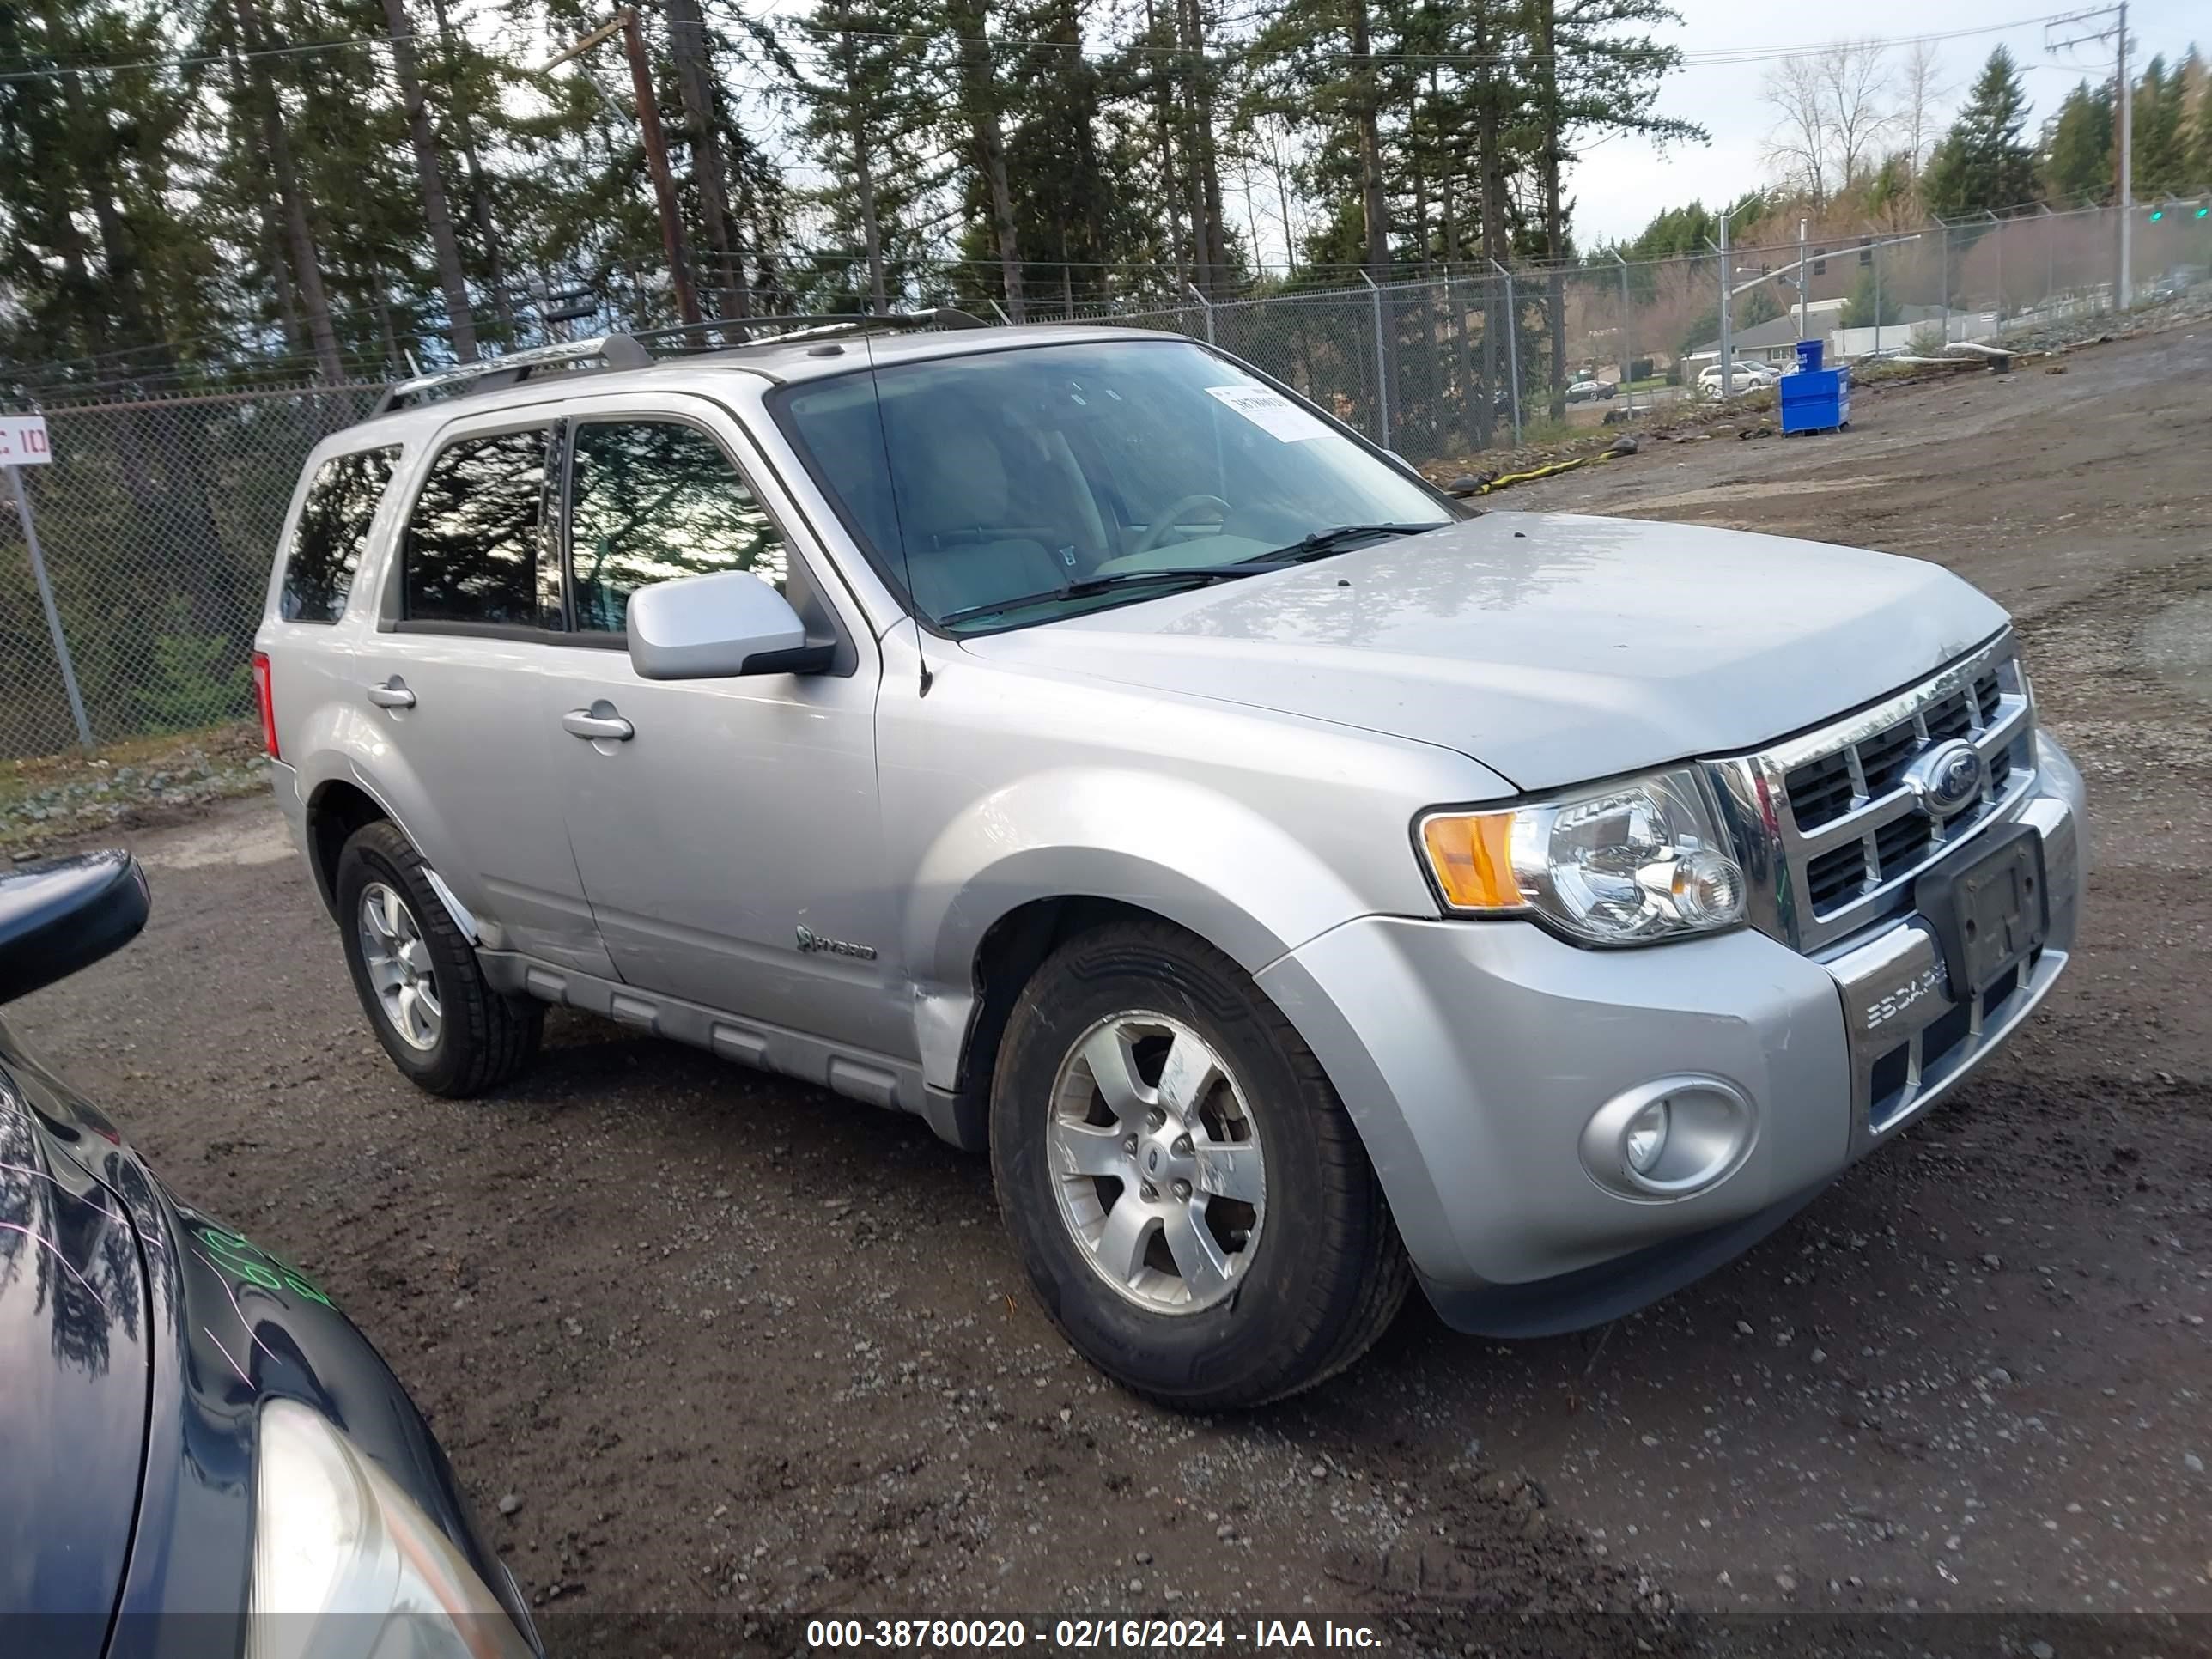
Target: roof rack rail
[(613, 351), (737, 331), (627, 351)]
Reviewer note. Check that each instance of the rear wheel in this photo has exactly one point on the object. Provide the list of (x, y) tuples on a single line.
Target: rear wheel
[(418, 978), (1187, 1193)]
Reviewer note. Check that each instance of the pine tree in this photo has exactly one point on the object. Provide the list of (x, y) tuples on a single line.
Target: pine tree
[(863, 120), (2077, 147), (1598, 72), (2200, 128), (977, 120), (1064, 205), (1981, 165), (437, 215), (2160, 154)]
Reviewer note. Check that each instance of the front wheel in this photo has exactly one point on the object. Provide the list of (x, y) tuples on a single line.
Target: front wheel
[(1187, 1193)]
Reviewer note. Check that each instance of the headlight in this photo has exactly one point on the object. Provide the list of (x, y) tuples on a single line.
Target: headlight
[(1628, 864), (346, 1566)]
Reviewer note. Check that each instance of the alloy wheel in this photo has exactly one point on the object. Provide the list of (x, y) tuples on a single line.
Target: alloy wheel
[(1157, 1162), (397, 958)]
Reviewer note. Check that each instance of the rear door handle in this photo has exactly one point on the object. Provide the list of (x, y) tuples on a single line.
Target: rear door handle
[(592, 723), (393, 693)]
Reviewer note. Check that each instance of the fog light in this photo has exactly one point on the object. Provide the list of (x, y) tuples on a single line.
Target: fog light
[(1672, 1138), (1647, 1137)]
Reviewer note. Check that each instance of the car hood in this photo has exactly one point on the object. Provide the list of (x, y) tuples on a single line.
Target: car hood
[(74, 1377), (1551, 647)]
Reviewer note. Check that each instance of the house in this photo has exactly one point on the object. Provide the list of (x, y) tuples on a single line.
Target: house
[(1774, 340)]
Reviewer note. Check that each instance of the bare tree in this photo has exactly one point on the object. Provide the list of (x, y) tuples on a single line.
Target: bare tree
[(1919, 91), (1855, 78), (1832, 113), (1798, 142)]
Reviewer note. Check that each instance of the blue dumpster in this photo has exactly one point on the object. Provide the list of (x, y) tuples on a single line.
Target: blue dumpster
[(1816, 400)]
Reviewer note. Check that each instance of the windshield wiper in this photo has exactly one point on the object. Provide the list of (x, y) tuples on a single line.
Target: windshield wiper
[(1091, 585), (1338, 538)]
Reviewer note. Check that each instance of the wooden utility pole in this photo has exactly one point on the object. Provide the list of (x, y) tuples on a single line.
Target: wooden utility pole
[(656, 149)]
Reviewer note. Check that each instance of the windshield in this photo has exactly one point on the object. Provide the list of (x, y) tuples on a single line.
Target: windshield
[(1071, 477)]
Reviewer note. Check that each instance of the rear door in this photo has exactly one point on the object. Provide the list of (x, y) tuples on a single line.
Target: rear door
[(455, 677), (731, 846)]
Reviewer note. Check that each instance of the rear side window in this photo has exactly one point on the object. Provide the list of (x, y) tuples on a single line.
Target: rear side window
[(651, 500), (332, 533), (472, 543)]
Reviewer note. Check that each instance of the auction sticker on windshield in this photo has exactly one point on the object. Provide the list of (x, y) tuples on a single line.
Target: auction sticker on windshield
[(1270, 411)]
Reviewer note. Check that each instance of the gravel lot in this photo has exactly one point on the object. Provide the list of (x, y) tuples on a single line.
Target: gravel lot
[(737, 1346)]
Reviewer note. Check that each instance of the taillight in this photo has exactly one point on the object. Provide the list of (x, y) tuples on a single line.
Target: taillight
[(267, 700)]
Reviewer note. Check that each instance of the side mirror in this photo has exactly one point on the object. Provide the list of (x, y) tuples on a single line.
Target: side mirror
[(62, 915), (718, 627)]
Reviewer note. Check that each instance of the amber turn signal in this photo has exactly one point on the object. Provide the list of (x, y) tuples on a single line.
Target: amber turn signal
[(1473, 858)]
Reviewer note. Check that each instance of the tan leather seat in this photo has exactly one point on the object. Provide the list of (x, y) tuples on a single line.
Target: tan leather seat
[(954, 491)]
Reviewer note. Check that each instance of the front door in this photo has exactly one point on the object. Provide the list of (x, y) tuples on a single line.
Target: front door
[(728, 836)]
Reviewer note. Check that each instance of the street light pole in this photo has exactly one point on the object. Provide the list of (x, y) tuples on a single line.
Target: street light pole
[(1944, 261), (1804, 289), (2127, 172), (1627, 346), (656, 150), (1997, 238), (1728, 354)]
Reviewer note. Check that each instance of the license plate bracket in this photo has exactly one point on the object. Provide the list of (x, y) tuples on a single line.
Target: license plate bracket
[(1990, 911)]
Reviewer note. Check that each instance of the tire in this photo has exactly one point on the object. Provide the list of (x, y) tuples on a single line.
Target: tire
[(412, 966), (1313, 1268)]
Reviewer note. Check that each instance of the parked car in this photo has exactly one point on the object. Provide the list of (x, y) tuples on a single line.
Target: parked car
[(1748, 376), (1591, 392), (1304, 884), (202, 1454)]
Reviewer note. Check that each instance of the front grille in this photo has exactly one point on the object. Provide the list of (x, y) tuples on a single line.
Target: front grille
[(1820, 790), (1855, 833), (1884, 758), (1832, 875), (1823, 789), (1952, 717), (1902, 843)]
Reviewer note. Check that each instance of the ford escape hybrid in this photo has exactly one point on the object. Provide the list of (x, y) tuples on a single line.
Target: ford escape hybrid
[(1301, 884)]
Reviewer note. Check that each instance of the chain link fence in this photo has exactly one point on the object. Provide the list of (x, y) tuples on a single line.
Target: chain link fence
[(158, 519)]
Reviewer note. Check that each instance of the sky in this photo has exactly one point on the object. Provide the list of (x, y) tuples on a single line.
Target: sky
[(1621, 182)]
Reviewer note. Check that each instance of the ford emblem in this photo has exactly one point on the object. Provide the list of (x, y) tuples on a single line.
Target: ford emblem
[(1949, 778)]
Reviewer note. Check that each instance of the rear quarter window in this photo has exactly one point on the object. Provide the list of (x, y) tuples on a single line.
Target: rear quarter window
[(332, 533)]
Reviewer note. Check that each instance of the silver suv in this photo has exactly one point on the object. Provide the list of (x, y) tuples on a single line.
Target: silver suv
[(1300, 883)]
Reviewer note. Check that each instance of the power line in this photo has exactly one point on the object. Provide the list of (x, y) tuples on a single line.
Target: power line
[(57, 69)]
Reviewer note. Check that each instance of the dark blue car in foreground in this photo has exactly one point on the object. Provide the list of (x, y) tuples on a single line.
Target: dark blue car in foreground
[(200, 1454)]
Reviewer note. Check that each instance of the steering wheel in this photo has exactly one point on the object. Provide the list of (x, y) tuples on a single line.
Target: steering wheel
[(1169, 516)]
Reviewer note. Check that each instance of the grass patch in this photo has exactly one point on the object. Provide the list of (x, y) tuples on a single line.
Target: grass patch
[(55, 797)]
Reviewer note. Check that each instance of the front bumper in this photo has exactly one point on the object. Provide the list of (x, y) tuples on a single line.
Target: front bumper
[(1472, 1054)]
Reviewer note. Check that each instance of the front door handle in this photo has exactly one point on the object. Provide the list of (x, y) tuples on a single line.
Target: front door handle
[(599, 722), (393, 693)]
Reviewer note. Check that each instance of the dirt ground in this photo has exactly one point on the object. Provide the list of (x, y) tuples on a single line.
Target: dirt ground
[(733, 1346)]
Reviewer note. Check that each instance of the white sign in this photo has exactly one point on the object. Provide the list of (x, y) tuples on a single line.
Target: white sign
[(1272, 412), (23, 440)]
